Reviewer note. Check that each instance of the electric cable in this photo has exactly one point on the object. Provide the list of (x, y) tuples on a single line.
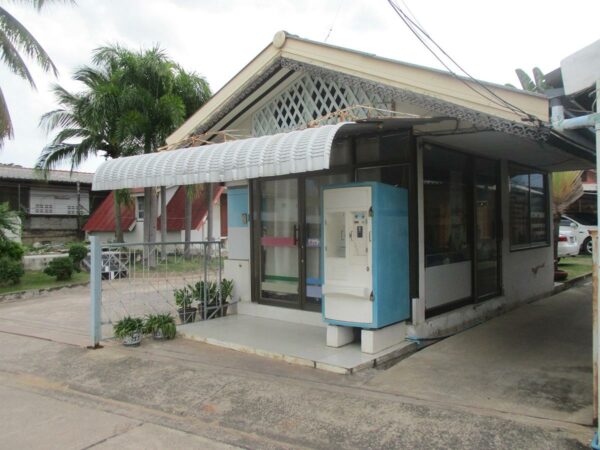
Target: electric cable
[(413, 27)]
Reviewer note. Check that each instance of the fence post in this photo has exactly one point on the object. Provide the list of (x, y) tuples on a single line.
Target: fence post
[(95, 292)]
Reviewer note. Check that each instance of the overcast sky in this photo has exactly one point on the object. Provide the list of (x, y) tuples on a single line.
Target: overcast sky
[(216, 38)]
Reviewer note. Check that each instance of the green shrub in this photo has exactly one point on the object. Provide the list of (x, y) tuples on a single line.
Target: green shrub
[(77, 253), (11, 271), (11, 249), (61, 268)]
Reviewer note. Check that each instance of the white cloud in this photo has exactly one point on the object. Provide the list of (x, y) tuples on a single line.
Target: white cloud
[(216, 38)]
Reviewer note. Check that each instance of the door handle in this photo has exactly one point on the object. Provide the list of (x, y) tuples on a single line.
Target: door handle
[(295, 234)]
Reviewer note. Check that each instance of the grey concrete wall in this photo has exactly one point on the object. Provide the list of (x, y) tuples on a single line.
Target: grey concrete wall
[(50, 223)]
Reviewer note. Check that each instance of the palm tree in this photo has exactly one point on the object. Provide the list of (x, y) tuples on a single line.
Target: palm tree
[(192, 192), (89, 123), (159, 95), (16, 42), (122, 198)]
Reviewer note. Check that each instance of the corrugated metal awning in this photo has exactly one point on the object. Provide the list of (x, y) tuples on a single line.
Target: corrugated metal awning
[(281, 154)]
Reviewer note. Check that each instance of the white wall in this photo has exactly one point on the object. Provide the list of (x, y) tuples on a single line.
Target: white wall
[(525, 273)]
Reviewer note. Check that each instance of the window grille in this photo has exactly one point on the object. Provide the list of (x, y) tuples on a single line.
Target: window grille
[(42, 209), (310, 98)]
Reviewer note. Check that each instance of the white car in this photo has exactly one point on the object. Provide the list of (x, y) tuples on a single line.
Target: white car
[(567, 244), (581, 224)]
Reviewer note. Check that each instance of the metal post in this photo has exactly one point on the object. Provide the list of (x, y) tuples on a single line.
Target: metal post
[(594, 235), (95, 291), (595, 243)]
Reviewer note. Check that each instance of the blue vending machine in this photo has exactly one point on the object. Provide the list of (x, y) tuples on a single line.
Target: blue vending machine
[(365, 255)]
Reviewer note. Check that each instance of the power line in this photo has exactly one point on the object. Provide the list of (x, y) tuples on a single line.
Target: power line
[(334, 20), (421, 34)]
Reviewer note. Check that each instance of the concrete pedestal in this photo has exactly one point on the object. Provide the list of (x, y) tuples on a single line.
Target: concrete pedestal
[(338, 336), (373, 341)]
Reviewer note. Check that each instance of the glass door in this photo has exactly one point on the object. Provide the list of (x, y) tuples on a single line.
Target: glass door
[(312, 236), (487, 275), (279, 242)]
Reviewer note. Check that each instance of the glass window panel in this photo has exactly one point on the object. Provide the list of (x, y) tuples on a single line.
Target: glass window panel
[(519, 208), (538, 208), (446, 206), (279, 239), (341, 153), (313, 189), (528, 207), (397, 175), (393, 147)]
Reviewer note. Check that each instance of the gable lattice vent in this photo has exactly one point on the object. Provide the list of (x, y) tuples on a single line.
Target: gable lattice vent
[(310, 98)]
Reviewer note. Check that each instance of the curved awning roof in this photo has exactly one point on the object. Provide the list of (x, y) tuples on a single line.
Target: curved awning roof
[(280, 154)]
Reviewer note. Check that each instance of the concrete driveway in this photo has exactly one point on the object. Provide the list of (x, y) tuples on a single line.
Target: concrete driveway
[(522, 380), (534, 361)]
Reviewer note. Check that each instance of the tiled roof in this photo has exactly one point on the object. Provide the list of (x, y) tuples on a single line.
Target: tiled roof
[(176, 210), (15, 172), (103, 218)]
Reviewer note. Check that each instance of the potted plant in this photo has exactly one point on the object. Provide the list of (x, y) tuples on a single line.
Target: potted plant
[(160, 326), (226, 294), (199, 290), (183, 300), (129, 329)]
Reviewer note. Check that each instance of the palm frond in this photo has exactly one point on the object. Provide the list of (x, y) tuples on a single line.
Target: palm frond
[(10, 56), (24, 41), (567, 187), (6, 129)]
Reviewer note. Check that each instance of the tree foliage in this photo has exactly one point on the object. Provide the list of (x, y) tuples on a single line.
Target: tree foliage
[(16, 44)]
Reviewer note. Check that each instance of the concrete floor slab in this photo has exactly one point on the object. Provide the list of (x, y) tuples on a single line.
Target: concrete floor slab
[(536, 361), (29, 420), (291, 342), (155, 437)]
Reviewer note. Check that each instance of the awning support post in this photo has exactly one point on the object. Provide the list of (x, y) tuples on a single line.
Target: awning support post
[(560, 123)]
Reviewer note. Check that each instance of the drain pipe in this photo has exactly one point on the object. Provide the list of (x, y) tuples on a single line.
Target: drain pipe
[(559, 123)]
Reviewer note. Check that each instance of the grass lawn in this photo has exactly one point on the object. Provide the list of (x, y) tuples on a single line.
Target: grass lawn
[(576, 266), (180, 265), (39, 280)]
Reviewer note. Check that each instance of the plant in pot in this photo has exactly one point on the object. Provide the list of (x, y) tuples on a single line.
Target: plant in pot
[(160, 326), (183, 300), (129, 329), (202, 289), (226, 294)]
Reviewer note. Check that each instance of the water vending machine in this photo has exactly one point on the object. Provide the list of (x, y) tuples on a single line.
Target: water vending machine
[(365, 255)]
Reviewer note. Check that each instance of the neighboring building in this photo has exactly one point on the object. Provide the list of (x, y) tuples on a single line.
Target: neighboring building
[(475, 168), (575, 105), (102, 222), (54, 207)]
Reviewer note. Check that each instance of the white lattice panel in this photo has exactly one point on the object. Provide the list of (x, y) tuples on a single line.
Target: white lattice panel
[(310, 98)]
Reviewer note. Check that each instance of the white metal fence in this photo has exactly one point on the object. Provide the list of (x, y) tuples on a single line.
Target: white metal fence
[(140, 279)]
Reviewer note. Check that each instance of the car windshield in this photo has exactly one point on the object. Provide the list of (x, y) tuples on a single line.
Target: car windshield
[(587, 219)]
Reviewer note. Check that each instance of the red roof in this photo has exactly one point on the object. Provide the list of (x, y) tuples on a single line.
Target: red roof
[(176, 210), (103, 218)]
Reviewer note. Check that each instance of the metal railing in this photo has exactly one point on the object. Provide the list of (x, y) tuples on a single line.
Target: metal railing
[(138, 279)]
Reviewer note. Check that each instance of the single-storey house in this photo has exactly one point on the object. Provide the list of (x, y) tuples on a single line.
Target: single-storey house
[(474, 159), (102, 222), (54, 206)]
